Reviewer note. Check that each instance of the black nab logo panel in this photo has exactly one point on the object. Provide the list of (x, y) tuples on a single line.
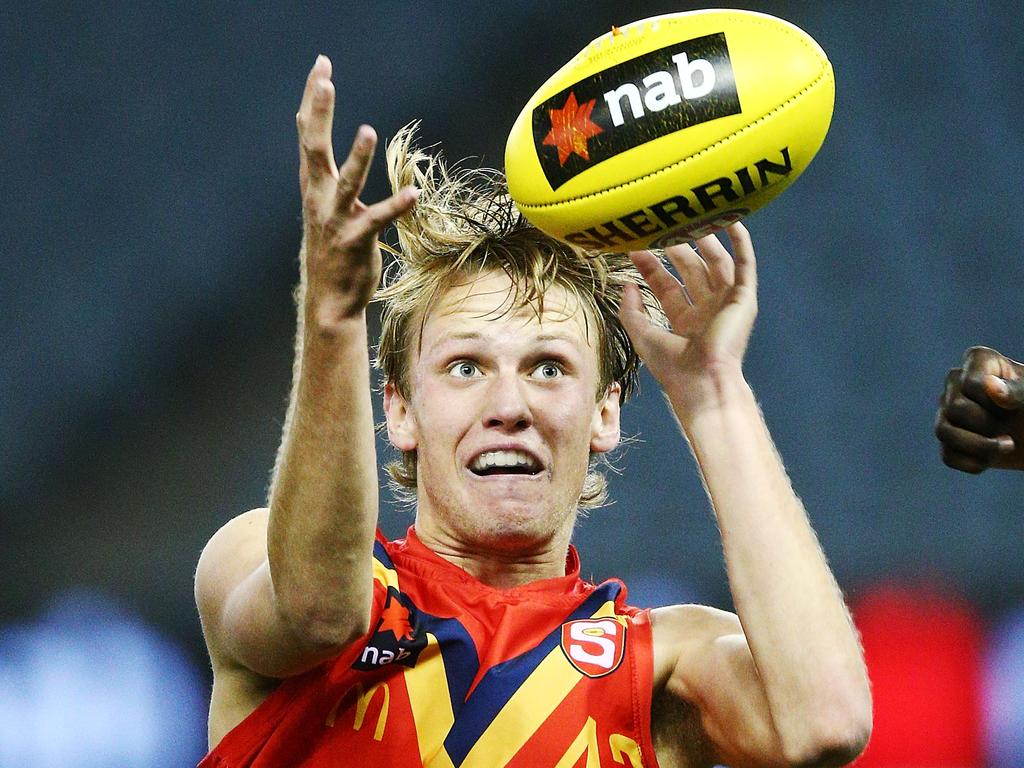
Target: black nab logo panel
[(397, 638), (634, 102)]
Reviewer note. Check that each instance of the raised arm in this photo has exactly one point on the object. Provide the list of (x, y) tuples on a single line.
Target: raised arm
[(281, 590), (786, 684)]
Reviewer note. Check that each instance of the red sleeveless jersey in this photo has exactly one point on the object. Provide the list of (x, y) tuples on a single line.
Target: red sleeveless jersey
[(456, 674)]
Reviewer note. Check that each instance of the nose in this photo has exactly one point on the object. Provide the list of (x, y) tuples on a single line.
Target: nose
[(506, 406)]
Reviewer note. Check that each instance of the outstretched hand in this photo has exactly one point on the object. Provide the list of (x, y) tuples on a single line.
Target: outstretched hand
[(980, 423), (342, 258), (711, 312)]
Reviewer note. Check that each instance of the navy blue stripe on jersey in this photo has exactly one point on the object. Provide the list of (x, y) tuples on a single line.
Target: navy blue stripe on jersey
[(461, 660), (382, 555), (504, 679)]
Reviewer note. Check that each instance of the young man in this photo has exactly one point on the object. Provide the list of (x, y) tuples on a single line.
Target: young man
[(980, 423), (473, 641)]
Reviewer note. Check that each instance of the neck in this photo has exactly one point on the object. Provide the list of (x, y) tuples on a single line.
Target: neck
[(503, 563)]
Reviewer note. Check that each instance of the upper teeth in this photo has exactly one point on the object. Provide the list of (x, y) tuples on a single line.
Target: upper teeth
[(503, 459)]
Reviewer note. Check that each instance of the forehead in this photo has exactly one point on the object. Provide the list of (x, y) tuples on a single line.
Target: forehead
[(487, 305)]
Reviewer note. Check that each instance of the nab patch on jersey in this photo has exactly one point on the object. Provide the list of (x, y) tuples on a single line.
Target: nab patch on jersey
[(634, 102), (594, 646), (395, 639)]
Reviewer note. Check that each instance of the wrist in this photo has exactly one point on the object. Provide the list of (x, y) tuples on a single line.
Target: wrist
[(327, 348), (704, 399), (332, 318), (726, 432)]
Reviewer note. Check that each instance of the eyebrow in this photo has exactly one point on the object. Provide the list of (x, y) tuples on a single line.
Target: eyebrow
[(556, 337), (477, 336), (460, 336)]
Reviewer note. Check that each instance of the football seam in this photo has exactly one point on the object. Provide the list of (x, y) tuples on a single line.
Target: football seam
[(788, 27), (826, 72)]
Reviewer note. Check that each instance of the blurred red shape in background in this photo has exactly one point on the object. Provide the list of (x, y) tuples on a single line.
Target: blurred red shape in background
[(923, 648)]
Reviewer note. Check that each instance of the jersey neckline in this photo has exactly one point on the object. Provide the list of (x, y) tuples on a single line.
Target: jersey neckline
[(418, 557)]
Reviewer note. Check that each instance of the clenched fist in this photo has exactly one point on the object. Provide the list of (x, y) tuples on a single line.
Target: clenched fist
[(980, 423)]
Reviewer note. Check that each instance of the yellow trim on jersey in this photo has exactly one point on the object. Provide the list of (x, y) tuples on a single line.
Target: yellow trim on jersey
[(584, 743), (431, 704), (523, 714), (388, 577)]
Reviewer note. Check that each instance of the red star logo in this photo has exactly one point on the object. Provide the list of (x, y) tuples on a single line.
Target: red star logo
[(571, 126), (395, 617)]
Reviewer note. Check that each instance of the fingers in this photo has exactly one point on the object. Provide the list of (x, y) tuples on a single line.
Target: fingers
[(713, 269), (331, 195), (719, 262), (962, 461), (993, 380), (353, 172), (1008, 394), (966, 414), (692, 269), (968, 449), (314, 121), (379, 215), (972, 437), (975, 386), (634, 318), (743, 257), (668, 290), (322, 68), (983, 360)]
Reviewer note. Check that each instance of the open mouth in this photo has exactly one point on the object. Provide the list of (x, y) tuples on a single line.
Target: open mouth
[(504, 463)]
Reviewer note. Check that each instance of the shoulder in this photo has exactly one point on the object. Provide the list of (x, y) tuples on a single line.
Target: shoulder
[(707, 691), (231, 554), (682, 632), (241, 539), (674, 618)]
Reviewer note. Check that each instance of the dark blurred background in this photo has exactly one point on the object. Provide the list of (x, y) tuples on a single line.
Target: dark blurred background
[(149, 237)]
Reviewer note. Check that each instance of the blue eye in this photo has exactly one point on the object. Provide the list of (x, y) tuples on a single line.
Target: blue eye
[(548, 370), (463, 369)]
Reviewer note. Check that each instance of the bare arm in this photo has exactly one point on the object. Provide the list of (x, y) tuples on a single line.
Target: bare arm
[(281, 603), (805, 678)]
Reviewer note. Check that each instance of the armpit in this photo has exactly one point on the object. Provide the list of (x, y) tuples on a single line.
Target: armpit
[(679, 739)]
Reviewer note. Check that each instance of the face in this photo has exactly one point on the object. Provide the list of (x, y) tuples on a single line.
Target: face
[(503, 414)]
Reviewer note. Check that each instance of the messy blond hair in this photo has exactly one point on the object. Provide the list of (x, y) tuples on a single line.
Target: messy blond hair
[(465, 224)]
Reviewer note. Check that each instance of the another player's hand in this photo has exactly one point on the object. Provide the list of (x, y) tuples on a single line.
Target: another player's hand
[(980, 423), (342, 258), (711, 317)]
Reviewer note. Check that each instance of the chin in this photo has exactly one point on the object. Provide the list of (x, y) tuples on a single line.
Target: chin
[(515, 523), (504, 514), (514, 537)]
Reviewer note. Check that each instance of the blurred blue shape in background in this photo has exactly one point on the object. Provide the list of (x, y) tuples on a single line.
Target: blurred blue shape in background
[(1004, 686), (91, 686)]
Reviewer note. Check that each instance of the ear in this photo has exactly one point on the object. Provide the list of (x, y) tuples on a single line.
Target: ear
[(604, 431), (401, 425)]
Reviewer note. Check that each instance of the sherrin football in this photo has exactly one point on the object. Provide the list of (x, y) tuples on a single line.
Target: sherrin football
[(670, 128)]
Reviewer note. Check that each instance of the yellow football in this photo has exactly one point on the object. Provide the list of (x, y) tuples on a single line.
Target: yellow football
[(670, 128)]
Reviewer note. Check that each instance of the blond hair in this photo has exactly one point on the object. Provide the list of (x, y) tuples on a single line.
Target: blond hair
[(465, 224)]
